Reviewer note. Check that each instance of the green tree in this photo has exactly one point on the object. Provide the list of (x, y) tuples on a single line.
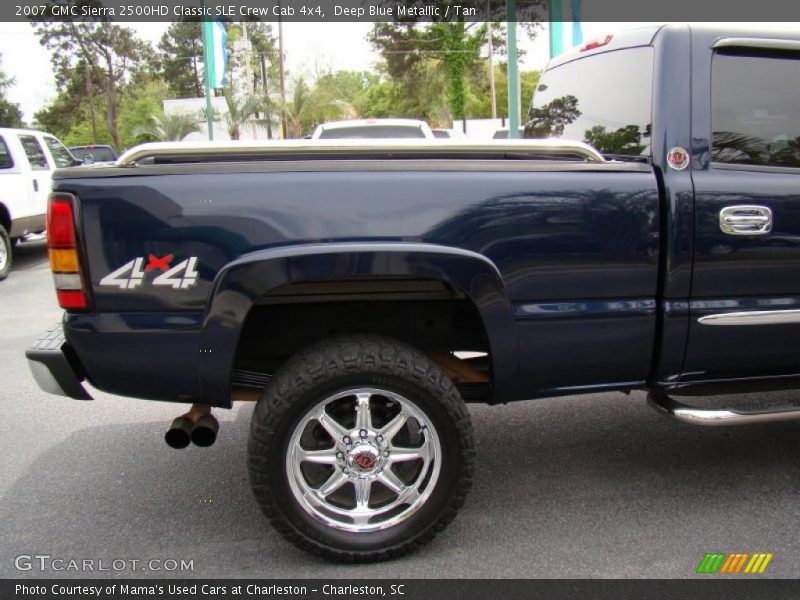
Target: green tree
[(167, 128), (69, 115), (551, 119), (10, 114), (308, 106), (240, 110), (625, 140), (479, 104), (138, 104), (420, 97), (180, 55), (297, 108), (180, 58), (110, 53), (460, 44)]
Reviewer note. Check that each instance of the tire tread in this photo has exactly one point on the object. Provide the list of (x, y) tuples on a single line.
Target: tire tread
[(335, 357)]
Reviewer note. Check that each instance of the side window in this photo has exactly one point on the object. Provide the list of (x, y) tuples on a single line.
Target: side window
[(604, 100), (6, 162), (34, 152), (61, 156), (755, 109)]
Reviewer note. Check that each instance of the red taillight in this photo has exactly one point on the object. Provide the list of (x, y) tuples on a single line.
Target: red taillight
[(71, 298), (60, 223), (64, 256), (596, 43)]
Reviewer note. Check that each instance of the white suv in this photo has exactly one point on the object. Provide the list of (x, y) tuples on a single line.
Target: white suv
[(27, 161)]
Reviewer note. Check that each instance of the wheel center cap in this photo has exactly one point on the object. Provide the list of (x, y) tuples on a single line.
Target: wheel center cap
[(364, 459)]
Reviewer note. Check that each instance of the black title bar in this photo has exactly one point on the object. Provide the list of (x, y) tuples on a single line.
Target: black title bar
[(707, 588), (395, 10)]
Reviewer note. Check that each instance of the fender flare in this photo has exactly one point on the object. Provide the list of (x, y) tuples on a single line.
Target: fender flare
[(242, 282)]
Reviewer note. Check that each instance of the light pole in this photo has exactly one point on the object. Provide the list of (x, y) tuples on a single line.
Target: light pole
[(513, 73)]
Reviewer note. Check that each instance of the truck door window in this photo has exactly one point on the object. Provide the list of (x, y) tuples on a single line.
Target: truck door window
[(604, 100), (34, 152), (5, 156), (61, 156), (755, 109)]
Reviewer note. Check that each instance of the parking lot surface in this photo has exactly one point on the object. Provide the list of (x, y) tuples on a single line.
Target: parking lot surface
[(585, 486)]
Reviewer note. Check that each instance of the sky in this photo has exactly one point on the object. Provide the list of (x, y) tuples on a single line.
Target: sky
[(309, 48)]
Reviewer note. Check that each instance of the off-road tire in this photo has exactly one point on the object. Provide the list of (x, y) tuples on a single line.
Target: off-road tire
[(341, 363)]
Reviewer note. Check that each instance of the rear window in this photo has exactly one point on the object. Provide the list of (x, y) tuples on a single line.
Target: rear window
[(604, 100), (6, 161), (34, 152), (98, 153), (373, 132), (755, 110)]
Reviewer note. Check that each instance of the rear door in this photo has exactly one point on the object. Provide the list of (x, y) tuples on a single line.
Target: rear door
[(41, 172), (16, 192), (745, 306)]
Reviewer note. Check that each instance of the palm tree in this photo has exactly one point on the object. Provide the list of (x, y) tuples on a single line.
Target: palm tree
[(240, 110), (167, 128), (296, 108), (308, 107)]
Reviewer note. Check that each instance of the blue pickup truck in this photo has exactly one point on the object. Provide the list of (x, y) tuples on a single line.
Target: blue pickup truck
[(362, 293)]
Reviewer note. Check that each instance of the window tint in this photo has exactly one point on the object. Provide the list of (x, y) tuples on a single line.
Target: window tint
[(372, 132), (98, 153), (60, 154), (755, 110), (604, 100), (6, 161), (34, 152)]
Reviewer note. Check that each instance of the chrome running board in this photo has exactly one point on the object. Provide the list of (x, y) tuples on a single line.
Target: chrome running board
[(722, 416)]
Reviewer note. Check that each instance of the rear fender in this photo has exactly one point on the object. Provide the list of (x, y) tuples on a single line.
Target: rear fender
[(241, 283)]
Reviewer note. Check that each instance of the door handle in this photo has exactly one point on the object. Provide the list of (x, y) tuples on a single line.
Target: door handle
[(35, 185), (745, 219)]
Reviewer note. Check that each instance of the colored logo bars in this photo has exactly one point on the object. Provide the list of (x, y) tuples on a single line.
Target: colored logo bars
[(735, 562)]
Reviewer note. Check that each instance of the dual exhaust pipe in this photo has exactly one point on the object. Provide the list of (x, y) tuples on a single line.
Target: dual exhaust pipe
[(198, 426)]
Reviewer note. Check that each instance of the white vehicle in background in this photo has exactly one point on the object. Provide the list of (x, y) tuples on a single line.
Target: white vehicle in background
[(373, 129), (448, 134), (502, 133), (27, 161)]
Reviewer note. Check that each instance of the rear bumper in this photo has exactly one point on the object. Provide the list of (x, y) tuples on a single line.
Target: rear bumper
[(51, 367)]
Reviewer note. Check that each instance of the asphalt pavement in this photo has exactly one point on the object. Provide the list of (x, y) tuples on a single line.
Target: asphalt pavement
[(585, 486)]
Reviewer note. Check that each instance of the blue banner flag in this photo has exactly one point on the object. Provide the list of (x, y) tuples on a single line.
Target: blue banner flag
[(562, 38), (216, 39)]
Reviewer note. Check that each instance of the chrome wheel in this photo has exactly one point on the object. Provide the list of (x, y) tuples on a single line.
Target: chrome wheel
[(363, 460)]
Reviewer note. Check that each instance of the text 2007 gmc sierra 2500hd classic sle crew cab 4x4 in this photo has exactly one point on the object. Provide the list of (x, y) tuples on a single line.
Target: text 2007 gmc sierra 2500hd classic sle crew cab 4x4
[(363, 293)]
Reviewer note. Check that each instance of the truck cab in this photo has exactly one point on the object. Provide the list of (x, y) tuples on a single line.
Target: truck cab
[(716, 113)]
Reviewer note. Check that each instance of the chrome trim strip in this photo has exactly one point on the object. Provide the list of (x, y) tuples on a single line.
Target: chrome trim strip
[(334, 148), (753, 317), (759, 43), (713, 418)]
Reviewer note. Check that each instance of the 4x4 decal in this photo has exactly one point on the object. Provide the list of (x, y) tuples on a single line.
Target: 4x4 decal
[(132, 274)]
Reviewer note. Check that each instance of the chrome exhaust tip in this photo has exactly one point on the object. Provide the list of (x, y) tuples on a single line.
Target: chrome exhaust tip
[(198, 426), (205, 431), (179, 434)]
